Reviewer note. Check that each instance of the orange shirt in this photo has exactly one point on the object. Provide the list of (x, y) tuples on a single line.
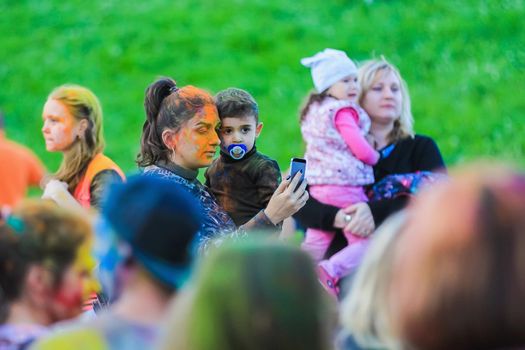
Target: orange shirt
[(19, 169), (99, 163)]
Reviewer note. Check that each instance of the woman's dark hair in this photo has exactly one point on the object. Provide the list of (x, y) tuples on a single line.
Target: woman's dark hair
[(311, 99), (167, 107), (37, 232)]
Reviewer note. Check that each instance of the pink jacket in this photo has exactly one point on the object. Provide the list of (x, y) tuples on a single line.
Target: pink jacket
[(329, 158)]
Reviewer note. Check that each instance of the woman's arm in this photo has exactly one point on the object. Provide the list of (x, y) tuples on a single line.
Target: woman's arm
[(420, 153), (382, 209)]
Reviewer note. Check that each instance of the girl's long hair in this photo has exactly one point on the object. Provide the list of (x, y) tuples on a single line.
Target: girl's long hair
[(82, 104)]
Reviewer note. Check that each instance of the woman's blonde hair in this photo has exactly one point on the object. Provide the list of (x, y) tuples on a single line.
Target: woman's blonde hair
[(82, 104), (368, 74), (364, 311)]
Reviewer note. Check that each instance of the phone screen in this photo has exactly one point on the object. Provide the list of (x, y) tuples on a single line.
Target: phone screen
[(297, 164)]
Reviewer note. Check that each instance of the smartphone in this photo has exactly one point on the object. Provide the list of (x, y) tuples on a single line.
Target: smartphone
[(297, 164)]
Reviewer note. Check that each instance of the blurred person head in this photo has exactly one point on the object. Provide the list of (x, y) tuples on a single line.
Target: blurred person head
[(240, 127), (72, 118), (459, 263), (45, 264), (146, 235), (181, 126), (364, 310), (384, 96), (251, 295)]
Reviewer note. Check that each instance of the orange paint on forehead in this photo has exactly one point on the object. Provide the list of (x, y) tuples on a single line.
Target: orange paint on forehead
[(192, 92), (58, 110), (199, 133)]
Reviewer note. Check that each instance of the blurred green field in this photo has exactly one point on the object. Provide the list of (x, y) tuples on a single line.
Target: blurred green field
[(464, 63)]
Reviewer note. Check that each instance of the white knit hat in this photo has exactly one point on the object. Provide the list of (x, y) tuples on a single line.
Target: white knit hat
[(328, 67)]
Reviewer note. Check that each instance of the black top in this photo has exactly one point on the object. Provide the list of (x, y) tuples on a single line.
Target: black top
[(409, 155), (243, 187)]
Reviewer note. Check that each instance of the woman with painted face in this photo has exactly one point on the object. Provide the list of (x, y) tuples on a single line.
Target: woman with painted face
[(72, 118), (384, 97), (45, 270), (180, 136)]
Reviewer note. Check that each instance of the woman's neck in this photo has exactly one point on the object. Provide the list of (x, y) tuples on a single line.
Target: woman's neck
[(174, 167), (21, 312), (381, 132)]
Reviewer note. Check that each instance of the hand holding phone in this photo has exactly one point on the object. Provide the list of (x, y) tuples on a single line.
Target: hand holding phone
[(296, 165)]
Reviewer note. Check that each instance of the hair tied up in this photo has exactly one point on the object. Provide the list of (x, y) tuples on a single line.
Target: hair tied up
[(15, 223)]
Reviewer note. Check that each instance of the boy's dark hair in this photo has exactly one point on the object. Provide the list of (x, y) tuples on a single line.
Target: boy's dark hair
[(236, 103)]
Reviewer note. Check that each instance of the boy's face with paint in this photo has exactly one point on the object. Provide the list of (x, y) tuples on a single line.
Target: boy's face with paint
[(195, 144), (60, 128), (239, 130)]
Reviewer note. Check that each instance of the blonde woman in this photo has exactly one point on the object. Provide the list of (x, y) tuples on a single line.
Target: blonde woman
[(72, 118), (384, 96)]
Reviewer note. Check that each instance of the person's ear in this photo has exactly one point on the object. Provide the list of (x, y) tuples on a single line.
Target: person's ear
[(38, 285), (82, 127), (258, 129), (169, 139)]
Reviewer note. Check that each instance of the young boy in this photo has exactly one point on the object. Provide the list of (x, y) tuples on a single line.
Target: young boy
[(242, 179)]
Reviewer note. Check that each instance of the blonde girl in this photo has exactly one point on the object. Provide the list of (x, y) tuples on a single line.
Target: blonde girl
[(72, 118)]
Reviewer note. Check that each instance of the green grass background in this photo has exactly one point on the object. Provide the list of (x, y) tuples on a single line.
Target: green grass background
[(464, 62)]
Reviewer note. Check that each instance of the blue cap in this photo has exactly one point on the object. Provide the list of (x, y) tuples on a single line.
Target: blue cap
[(159, 220)]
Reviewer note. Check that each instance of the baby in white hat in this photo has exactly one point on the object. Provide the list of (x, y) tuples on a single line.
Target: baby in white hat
[(339, 157)]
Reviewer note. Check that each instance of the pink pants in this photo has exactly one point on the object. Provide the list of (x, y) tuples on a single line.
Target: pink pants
[(317, 241)]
